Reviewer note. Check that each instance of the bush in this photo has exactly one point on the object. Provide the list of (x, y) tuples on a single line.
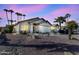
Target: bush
[(61, 31), (9, 29), (23, 32), (64, 31), (54, 31)]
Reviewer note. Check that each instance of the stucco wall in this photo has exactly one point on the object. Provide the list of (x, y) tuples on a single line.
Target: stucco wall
[(29, 27), (22, 27), (44, 27)]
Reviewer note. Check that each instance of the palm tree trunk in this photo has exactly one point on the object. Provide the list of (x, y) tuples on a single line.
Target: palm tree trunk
[(60, 26), (70, 34), (67, 20), (11, 18), (7, 17)]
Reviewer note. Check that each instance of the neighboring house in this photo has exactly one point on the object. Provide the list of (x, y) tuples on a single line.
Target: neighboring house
[(53, 27), (78, 28), (56, 27), (34, 25)]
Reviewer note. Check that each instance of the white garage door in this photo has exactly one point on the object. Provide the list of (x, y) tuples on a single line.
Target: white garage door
[(44, 29)]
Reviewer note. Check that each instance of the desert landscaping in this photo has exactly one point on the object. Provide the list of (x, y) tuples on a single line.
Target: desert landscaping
[(40, 45)]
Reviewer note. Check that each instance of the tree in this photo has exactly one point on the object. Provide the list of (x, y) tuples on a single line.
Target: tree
[(9, 29), (24, 16), (7, 14), (0, 27), (71, 25), (18, 14), (67, 16), (11, 11), (60, 20)]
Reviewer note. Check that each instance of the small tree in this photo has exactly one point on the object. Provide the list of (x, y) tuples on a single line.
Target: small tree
[(67, 16), (60, 20), (71, 25), (9, 29)]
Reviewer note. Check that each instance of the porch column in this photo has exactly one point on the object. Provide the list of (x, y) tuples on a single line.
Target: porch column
[(17, 29), (31, 28)]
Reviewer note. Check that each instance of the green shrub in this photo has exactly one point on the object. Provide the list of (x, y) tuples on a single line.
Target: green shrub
[(9, 29)]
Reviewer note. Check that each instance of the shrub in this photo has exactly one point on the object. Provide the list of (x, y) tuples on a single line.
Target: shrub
[(9, 29)]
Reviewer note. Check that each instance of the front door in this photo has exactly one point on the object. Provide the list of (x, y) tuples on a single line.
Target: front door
[(35, 27)]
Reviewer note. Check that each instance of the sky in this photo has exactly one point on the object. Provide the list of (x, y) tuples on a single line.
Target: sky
[(46, 11)]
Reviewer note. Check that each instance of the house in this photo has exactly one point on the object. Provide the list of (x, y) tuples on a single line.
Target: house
[(78, 29), (33, 25)]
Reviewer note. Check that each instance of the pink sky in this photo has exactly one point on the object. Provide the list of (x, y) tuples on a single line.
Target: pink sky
[(47, 11), (60, 12), (28, 9), (24, 9)]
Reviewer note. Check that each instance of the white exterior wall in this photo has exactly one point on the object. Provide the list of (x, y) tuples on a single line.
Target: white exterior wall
[(17, 28), (44, 27), (31, 28), (23, 24)]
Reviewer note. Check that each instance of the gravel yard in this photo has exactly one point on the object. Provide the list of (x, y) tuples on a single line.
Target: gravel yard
[(42, 45)]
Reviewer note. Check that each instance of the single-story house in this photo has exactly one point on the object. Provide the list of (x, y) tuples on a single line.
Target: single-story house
[(78, 29), (33, 25)]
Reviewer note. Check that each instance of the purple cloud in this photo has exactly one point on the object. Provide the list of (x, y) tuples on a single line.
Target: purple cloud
[(28, 9), (61, 12)]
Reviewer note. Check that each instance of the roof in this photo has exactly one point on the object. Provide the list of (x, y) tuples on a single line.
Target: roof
[(33, 20)]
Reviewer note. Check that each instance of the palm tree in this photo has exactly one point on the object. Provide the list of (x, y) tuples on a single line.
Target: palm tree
[(7, 14), (18, 14), (12, 21), (11, 11), (24, 16), (60, 20), (71, 25), (67, 16)]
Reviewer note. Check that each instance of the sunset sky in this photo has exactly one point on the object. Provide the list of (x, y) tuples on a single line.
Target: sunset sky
[(47, 11)]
